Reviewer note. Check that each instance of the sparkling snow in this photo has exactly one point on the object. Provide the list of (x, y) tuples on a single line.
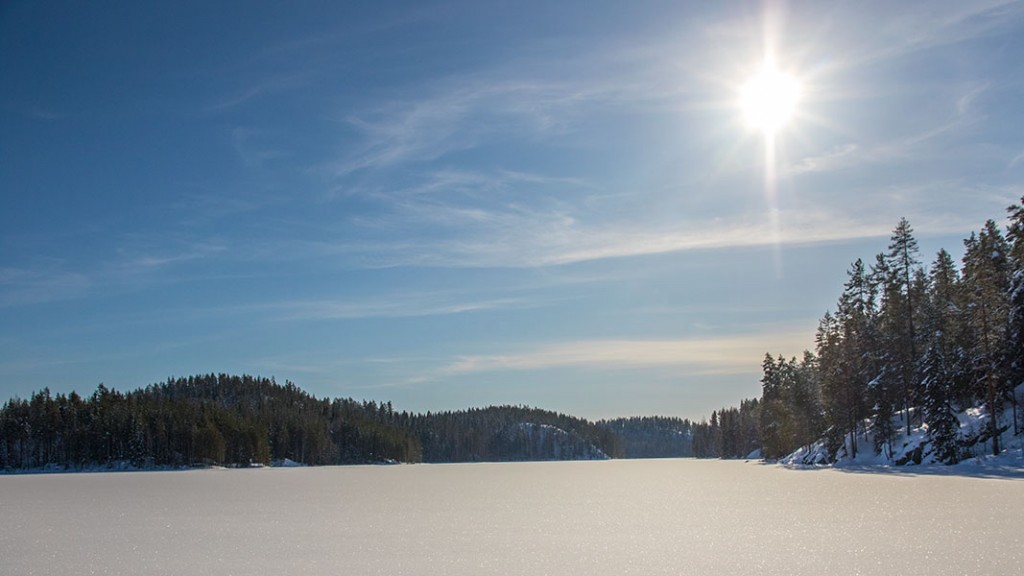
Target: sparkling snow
[(614, 517)]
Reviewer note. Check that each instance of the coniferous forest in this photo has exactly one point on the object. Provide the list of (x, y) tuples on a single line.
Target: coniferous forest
[(244, 420), (907, 348)]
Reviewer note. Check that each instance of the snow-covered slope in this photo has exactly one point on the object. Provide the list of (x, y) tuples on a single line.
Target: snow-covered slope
[(915, 448), (531, 441)]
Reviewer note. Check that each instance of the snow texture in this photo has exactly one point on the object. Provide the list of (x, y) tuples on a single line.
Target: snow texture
[(286, 463), (614, 517), (914, 449)]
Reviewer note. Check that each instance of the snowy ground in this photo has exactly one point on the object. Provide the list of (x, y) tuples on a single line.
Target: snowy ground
[(978, 457), (617, 517)]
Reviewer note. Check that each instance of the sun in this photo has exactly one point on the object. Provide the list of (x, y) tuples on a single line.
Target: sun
[(769, 99)]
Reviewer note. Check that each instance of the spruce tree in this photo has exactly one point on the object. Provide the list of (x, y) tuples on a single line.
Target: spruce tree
[(774, 412), (847, 354), (1015, 333), (902, 263), (986, 277), (943, 426), (887, 388)]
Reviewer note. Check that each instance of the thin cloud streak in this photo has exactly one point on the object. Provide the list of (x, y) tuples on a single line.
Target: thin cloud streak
[(929, 26), (398, 307), (837, 158), (270, 85), (855, 155), (24, 286), (53, 280), (537, 240), (1017, 160), (738, 354), (461, 112), (455, 119), (137, 261), (410, 304)]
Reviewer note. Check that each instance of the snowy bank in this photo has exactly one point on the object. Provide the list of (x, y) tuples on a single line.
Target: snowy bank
[(915, 448)]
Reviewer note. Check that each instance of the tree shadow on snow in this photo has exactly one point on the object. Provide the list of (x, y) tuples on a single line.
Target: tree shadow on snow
[(972, 468)]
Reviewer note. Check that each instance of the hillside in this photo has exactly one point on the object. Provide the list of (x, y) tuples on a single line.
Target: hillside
[(244, 420), (973, 441), (915, 364), (504, 433), (653, 437)]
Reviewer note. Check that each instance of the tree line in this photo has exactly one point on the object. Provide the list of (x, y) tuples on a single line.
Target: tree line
[(245, 420), (907, 347), (730, 433), (503, 433), (206, 419)]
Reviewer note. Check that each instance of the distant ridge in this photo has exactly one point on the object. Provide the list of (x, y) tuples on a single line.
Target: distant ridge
[(239, 421)]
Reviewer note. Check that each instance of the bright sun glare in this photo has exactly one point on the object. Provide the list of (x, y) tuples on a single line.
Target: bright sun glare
[(769, 99)]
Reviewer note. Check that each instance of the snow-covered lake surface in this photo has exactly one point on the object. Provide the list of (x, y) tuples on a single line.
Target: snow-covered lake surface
[(559, 518)]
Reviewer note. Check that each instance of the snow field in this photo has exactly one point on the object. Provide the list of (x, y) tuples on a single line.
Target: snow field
[(643, 517)]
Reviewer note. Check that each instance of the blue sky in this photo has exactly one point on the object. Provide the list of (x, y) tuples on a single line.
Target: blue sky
[(454, 204)]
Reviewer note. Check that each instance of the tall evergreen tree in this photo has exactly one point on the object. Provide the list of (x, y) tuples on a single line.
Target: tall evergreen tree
[(986, 278), (887, 389), (902, 260), (943, 426), (790, 413), (1015, 333), (847, 356), (776, 416)]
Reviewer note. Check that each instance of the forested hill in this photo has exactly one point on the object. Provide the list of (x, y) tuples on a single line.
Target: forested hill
[(211, 419), (653, 436), (244, 420), (501, 433), (916, 363)]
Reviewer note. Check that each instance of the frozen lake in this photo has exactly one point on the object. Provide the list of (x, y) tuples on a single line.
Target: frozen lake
[(557, 518)]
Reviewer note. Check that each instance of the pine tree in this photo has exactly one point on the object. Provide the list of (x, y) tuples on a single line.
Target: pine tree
[(808, 400), (943, 426), (1015, 332), (986, 277), (827, 343), (790, 411), (775, 412), (847, 355), (888, 387), (902, 263)]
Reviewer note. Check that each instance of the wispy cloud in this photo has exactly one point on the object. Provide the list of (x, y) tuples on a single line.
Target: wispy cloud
[(536, 99), (518, 237), (253, 153), (43, 114), (31, 110), (204, 205), (443, 185), (935, 139), (268, 85), (399, 306), (137, 263), (413, 302), (230, 101), (456, 118), (914, 27), (966, 103), (734, 354), (852, 155), (46, 283), (837, 158), (137, 258)]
